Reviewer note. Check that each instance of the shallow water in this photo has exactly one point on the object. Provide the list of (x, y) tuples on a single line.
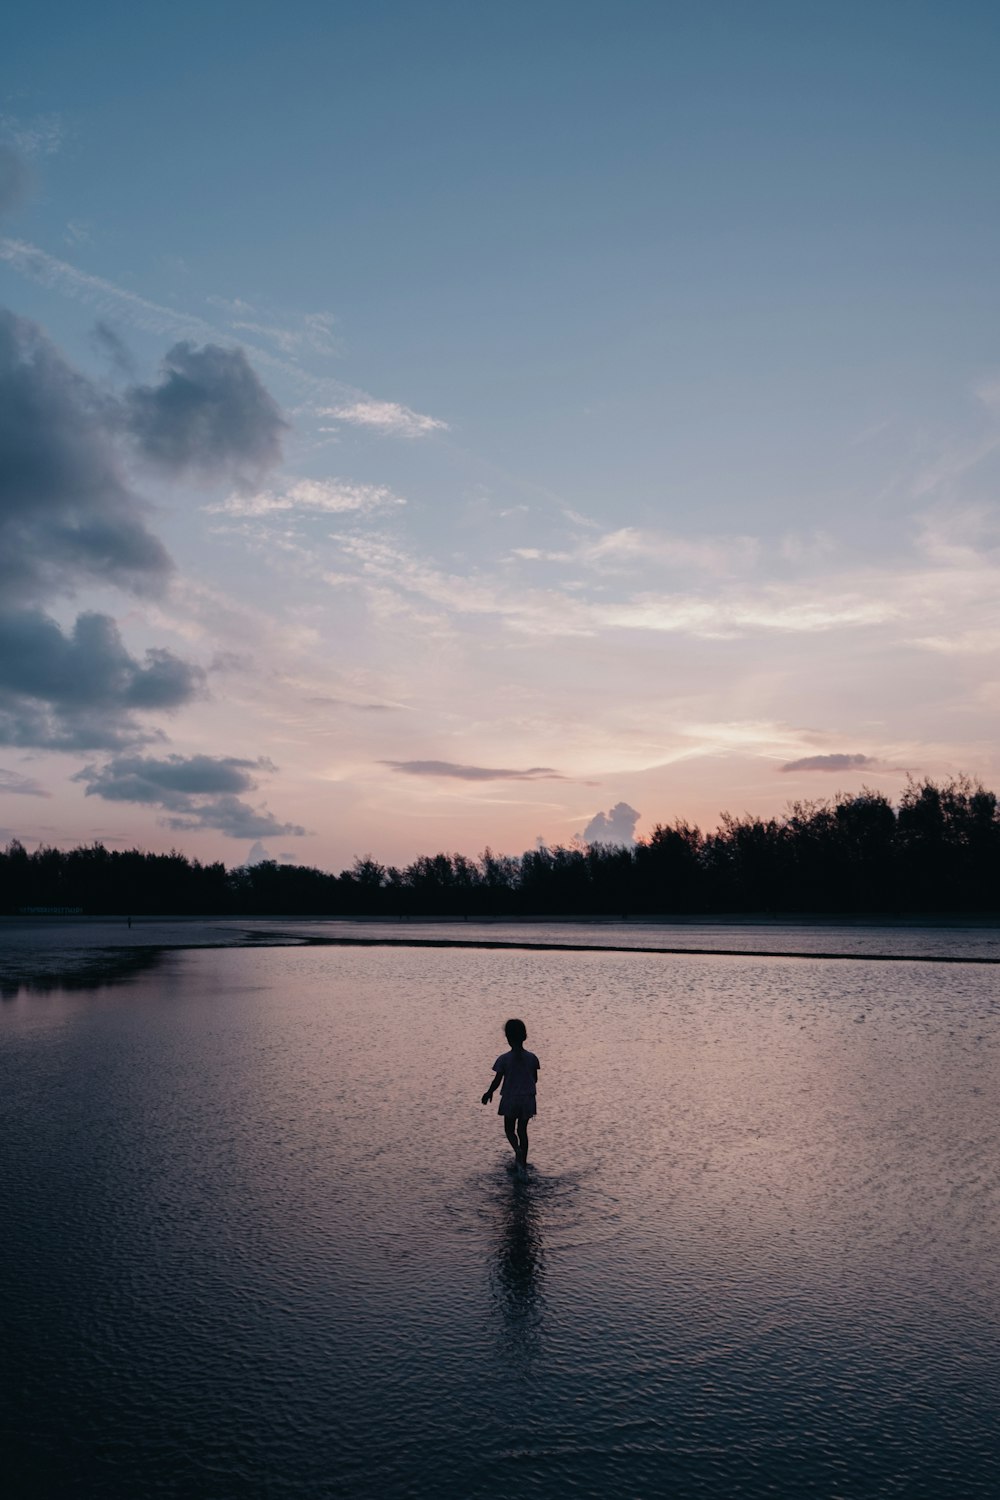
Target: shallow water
[(966, 941), (261, 1239)]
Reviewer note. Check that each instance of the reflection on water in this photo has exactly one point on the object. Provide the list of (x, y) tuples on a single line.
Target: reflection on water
[(261, 1241), (30, 971), (518, 1269)]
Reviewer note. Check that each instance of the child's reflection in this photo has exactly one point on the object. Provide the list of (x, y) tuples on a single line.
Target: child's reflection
[(518, 1269)]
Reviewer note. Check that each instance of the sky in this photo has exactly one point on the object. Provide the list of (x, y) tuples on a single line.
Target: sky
[(437, 426)]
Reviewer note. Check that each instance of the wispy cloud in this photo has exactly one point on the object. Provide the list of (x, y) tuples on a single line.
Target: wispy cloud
[(310, 333), (332, 496), (724, 615), (291, 332), (471, 773), (288, 340), (78, 232), (385, 416), (21, 786), (835, 762), (775, 608), (539, 554), (322, 700), (723, 555), (140, 312), (33, 135), (965, 536), (351, 404)]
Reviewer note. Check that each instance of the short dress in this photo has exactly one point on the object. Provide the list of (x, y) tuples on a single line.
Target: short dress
[(517, 1091)]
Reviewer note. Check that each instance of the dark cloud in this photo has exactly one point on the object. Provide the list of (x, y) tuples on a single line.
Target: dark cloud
[(471, 773), (616, 826), (197, 791), (14, 179), (209, 414), (79, 691), (236, 819), (21, 786), (831, 763), (69, 518), (172, 781), (67, 514)]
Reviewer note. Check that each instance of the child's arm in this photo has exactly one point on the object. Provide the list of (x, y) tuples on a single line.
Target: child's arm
[(492, 1088)]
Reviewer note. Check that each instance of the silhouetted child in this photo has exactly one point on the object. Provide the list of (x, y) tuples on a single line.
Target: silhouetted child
[(515, 1073)]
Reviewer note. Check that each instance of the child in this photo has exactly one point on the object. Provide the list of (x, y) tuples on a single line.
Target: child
[(516, 1073)]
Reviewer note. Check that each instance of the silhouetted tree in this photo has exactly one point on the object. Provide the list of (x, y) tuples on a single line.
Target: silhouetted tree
[(939, 852)]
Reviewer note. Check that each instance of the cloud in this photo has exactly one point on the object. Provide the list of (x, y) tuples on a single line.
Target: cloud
[(67, 513), (793, 609), (21, 786), (312, 332), (209, 414), (36, 135), (556, 612), (629, 549), (837, 762), (258, 854), (722, 556), (139, 312), (385, 416), (235, 819), (197, 791), (78, 233), (153, 317), (331, 496), (616, 826), (80, 691), (68, 518), (107, 342), (317, 332), (172, 781), (471, 773), (322, 700)]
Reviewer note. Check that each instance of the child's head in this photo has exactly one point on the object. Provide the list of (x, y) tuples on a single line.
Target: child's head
[(516, 1033)]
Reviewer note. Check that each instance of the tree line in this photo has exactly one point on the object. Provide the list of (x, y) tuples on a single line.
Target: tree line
[(938, 850)]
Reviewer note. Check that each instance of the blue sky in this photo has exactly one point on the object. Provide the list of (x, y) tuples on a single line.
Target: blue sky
[(633, 433)]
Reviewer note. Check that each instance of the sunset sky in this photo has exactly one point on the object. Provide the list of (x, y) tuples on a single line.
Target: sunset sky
[(431, 425)]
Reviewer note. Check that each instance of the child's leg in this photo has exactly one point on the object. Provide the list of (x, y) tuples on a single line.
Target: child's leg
[(510, 1126), (522, 1139)]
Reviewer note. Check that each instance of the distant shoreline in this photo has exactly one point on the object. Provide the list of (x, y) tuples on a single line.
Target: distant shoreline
[(485, 943), (43, 953)]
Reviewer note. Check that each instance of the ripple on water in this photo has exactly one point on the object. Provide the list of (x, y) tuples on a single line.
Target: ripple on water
[(260, 1239), (571, 1208)]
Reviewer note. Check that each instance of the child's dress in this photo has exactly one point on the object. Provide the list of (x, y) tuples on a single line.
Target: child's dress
[(517, 1091)]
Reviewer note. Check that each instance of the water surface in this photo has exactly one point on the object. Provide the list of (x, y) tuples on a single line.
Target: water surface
[(261, 1238)]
